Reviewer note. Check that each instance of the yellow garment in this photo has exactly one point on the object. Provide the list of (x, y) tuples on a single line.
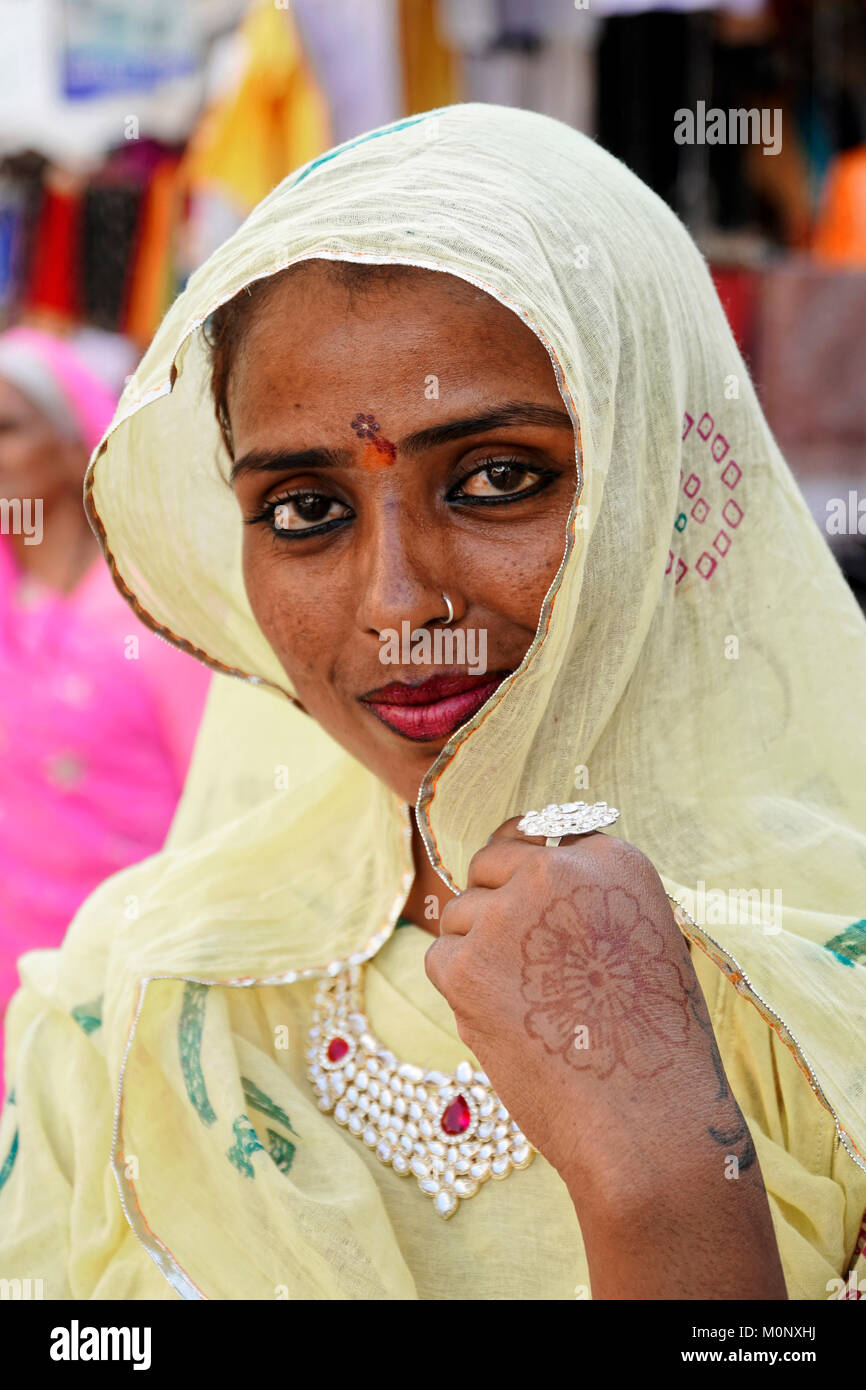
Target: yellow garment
[(736, 767), (151, 281), (276, 119), (517, 1239), (430, 67)]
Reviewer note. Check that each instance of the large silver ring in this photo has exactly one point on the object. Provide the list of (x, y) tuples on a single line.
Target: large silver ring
[(450, 617), (572, 818)]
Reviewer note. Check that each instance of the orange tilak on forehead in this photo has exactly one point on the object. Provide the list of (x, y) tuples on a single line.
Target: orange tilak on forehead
[(379, 452)]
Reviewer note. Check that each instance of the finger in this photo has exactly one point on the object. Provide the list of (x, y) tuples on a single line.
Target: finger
[(493, 865), (438, 959), (507, 831), (459, 914)]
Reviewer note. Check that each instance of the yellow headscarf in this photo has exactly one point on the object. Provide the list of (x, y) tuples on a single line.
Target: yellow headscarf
[(699, 662)]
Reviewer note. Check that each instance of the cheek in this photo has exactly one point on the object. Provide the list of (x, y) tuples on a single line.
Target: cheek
[(512, 573), (537, 562), (299, 614)]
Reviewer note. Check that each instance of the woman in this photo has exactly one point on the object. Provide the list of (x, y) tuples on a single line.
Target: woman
[(469, 376), (97, 716)]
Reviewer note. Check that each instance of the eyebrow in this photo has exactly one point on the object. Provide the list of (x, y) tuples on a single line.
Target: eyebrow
[(500, 417)]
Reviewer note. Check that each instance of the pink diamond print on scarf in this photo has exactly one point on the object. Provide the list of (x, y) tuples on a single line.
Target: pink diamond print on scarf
[(719, 447), (722, 542)]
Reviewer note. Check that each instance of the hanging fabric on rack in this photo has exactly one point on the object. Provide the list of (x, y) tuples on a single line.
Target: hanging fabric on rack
[(110, 217), (539, 56), (21, 196), (11, 242), (152, 278), (355, 53), (840, 232), (430, 70), (276, 119), (54, 278)]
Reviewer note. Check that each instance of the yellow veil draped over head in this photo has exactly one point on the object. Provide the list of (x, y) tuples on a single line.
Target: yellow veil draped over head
[(699, 663)]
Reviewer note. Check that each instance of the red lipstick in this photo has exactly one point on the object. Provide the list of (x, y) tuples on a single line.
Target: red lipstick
[(434, 708)]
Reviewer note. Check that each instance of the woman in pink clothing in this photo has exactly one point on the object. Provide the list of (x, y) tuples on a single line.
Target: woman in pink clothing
[(97, 715)]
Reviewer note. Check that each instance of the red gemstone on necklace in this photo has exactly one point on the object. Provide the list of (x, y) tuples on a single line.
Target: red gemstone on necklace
[(457, 1117), (337, 1049)]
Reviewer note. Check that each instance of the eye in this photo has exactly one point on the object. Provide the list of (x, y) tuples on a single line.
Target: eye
[(297, 514), (502, 480)]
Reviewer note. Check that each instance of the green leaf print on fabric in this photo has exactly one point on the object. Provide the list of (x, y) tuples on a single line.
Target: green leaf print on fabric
[(257, 1099), (246, 1143), (88, 1016), (189, 1031), (9, 1161), (850, 944), (281, 1150)]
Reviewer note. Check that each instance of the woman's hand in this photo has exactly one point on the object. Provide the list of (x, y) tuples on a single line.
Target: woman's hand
[(572, 984)]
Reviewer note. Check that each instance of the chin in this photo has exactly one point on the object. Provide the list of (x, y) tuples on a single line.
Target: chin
[(405, 770)]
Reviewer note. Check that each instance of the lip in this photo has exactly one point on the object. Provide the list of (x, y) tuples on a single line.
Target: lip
[(434, 708)]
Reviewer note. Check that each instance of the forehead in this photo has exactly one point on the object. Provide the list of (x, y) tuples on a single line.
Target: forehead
[(318, 343)]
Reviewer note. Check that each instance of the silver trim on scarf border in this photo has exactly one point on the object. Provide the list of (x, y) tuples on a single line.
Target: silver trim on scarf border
[(765, 1009)]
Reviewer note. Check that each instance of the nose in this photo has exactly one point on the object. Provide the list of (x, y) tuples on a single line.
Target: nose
[(405, 574)]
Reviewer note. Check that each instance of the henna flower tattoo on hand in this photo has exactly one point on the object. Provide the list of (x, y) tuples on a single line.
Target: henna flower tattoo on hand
[(601, 966)]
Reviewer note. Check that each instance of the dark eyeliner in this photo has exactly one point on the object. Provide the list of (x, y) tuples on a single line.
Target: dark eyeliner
[(546, 477), (268, 511)]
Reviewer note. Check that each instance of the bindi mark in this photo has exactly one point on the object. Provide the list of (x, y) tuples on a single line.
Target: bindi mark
[(380, 452)]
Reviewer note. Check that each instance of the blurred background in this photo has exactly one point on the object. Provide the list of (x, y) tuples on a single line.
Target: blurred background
[(135, 136)]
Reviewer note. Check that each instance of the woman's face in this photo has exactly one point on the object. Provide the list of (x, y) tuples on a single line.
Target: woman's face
[(35, 459), (392, 445)]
